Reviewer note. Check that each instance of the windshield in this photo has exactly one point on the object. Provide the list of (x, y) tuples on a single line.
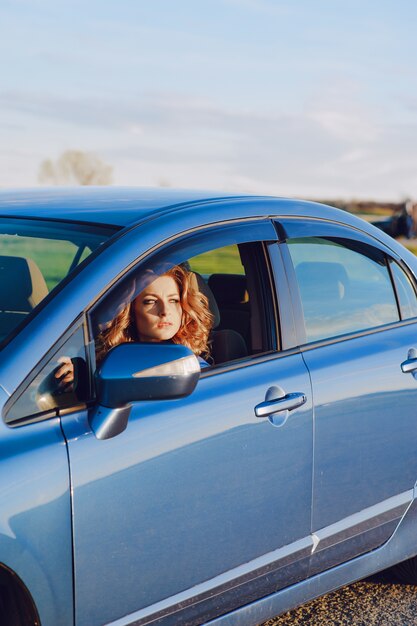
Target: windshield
[(35, 257)]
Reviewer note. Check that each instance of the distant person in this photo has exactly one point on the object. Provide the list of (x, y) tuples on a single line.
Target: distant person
[(401, 223), (409, 209)]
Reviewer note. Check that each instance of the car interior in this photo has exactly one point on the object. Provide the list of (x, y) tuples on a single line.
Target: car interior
[(237, 298), (227, 342)]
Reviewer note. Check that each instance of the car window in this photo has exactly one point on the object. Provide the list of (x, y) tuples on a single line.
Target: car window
[(46, 393), (232, 280), (342, 289), (405, 291), (226, 281), (35, 256)]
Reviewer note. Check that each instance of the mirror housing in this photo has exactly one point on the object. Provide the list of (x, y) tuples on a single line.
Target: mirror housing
[(132, 372)]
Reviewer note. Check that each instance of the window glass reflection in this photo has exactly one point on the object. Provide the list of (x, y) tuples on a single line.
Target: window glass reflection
[(341, 290)]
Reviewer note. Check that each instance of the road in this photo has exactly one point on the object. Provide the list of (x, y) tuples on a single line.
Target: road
[(374, 602)]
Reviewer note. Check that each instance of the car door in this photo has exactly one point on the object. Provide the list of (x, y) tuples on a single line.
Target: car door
[(357, 324), (199, 505)]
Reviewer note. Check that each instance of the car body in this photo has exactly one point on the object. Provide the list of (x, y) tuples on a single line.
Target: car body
[(284, 470)]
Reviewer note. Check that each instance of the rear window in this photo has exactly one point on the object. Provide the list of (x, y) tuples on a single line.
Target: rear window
[(35, 257)]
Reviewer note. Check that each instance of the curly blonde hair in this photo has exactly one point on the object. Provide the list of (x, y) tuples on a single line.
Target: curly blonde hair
[(196, 324)]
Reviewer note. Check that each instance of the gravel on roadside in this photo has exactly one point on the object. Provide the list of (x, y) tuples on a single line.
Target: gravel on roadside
[(373, 602)]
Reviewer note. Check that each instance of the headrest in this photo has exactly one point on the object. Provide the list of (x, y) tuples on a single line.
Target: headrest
[(227, 346), (22, 285), (199, 284), (322, 279), (229, 288)]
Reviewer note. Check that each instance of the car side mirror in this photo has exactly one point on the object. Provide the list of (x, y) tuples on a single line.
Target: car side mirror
[(132, 372)]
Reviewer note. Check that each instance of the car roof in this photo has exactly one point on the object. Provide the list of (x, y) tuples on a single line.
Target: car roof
[(117, 206), (121, 207)]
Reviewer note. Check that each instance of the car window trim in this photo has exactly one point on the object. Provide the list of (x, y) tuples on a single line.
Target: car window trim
[(394, 285), (404, 268), (361, 333), (248, 361), (293, 290), (294, 227), (283, 301)]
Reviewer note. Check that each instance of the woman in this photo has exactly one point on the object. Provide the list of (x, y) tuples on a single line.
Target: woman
[(170, 308)]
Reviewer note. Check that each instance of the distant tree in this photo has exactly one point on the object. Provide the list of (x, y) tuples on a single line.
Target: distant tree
[(75, 167)]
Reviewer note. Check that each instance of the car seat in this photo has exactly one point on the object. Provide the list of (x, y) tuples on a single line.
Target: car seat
[(22, 287), (226, 343), (231, 294)]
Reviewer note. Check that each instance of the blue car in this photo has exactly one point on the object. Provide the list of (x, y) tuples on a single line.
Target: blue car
[(153, 490)]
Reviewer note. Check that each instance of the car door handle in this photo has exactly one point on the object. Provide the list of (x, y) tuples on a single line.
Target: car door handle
[(410, 365), (287, 403)]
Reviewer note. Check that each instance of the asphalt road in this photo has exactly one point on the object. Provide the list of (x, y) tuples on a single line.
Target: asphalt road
[(374, 602)]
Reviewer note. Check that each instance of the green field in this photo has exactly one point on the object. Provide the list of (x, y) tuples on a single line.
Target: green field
[(223, 261)]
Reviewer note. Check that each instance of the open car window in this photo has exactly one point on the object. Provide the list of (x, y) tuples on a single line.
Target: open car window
[(232, 278), (35, 257)]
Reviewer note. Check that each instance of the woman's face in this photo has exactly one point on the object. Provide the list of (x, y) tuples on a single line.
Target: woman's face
[(158, 311)]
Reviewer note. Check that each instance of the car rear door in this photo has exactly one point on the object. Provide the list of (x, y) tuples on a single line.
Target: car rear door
[(357, 324)]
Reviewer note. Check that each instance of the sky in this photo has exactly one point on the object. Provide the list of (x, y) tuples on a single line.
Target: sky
[(300, 98)]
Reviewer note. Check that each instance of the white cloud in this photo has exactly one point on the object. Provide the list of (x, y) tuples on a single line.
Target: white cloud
[(338, 149), (346, 126)]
